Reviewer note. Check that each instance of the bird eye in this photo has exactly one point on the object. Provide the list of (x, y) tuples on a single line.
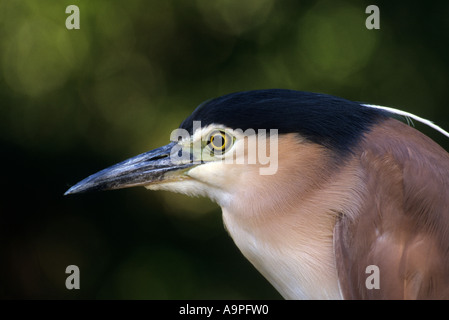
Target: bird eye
[(219, 141)]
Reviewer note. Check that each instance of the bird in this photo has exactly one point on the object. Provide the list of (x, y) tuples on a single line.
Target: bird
[(328, 198)]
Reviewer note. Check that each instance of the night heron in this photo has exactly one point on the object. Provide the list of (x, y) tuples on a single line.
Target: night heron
[(319, 193)]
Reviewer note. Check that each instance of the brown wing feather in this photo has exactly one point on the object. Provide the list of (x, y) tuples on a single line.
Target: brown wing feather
[(403, 225)]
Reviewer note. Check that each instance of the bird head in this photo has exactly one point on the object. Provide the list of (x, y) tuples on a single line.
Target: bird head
[(244, 142)]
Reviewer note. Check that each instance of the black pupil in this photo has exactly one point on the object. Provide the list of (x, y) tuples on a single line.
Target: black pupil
[(218, 140)]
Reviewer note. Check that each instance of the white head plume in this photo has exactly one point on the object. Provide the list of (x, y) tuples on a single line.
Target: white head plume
[(408, 116)]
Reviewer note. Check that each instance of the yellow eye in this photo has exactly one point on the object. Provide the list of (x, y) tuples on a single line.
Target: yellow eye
[(219, 141)]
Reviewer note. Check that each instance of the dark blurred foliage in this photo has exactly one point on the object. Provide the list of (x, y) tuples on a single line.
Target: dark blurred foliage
[(75, 101)]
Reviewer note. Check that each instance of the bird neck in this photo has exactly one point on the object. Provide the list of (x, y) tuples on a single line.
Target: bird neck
[(286, 231)]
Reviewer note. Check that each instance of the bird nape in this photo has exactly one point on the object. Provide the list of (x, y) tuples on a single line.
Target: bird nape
[(327, 198)]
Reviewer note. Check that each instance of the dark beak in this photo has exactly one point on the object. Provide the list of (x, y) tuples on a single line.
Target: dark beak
[(144, 169)]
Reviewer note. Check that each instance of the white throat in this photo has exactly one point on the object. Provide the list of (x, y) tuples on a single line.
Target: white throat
[(298, 267)]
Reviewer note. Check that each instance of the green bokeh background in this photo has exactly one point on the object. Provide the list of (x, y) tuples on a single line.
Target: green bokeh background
[(76, 101)]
